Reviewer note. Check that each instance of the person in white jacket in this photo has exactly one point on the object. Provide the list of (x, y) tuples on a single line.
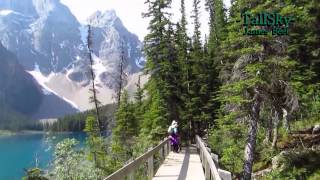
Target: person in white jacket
[(173, 135)]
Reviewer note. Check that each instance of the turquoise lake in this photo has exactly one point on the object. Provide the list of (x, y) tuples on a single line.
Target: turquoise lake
[(20, 152)]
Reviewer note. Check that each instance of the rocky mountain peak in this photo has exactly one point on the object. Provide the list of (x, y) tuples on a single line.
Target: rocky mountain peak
[(103, 19), (34, 8), (44, 7), (50, 44)]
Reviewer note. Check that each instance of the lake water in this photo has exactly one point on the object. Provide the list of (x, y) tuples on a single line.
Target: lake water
[(20, 152)]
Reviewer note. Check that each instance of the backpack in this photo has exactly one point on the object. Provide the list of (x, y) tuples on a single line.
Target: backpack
[(170, 130)]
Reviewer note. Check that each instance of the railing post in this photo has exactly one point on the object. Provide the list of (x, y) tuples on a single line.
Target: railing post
[(131, 174), (165, 148), (150, 167), (206, 170), (161, 152)]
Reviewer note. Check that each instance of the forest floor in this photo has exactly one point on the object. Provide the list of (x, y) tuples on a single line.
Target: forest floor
[(297, 153)]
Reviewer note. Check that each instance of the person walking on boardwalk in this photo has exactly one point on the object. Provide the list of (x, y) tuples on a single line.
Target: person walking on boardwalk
[(173, 136)]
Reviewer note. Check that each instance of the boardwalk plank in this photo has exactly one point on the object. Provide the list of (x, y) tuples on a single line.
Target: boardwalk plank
[(185, 165)]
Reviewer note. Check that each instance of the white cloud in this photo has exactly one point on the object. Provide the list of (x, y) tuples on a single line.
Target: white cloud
[(130, 12)]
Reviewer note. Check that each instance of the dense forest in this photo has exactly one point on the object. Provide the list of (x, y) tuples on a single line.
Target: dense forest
[(256, 98), (76, 122)]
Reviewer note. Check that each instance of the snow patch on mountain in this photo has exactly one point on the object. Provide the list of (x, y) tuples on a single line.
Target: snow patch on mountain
[(98, 68), (5, 12), (42, 80), (84, 33), (70, 102), (129, 49), (140, 62)]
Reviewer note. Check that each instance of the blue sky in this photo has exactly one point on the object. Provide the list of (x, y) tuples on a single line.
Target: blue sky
[(130, 11)]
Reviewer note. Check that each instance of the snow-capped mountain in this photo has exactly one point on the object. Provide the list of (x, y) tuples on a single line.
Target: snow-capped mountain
[(51, 45), (21, 94), (42, 32), (110, 37)]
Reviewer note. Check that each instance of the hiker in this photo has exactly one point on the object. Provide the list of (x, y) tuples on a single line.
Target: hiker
[(173, 136)]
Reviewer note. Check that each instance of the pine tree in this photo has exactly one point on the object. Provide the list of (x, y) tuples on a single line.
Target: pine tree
[(93, 98), (94, 126), (193, 103), (304, 34), (183, 47), (125, 130), (160, 65), (200, 88), (217, 31), (121, 79), (217, 34), (260, 75), (95, 142), (139, 105)]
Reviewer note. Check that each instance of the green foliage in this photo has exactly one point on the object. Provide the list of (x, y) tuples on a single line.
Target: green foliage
[(226, 83), (126, 129), (228, 142), (95, 142), (293, 174), (71, 164), (260, 62), (34, 174), (315, 175), (154, 124), (162, 103)]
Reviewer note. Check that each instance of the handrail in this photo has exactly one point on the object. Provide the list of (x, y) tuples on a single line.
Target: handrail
[(207, 161), (163, 147)]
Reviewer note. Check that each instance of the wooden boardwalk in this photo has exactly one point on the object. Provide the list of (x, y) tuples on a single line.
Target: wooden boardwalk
[(185, 165)]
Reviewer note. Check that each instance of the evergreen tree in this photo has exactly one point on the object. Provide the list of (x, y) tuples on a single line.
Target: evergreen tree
[(125, 130), (121, 79), (95, 142), (217, 34), (160, 65), (139, 106), (304, 34), (94, 97), (260, 75), (183, 47), (217, 31), (193, 104), (200, 90)]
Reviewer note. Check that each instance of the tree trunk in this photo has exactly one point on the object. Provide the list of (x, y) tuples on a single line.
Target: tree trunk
[(252, 136), (94, 90), (121, 74), (275, 131), (285, 120), (268, 131)]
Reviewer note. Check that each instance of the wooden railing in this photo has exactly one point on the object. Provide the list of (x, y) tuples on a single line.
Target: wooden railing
[(128, 170), (210, 166)]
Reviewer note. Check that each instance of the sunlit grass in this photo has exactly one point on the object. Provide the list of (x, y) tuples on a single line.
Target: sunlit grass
[(304, 124)]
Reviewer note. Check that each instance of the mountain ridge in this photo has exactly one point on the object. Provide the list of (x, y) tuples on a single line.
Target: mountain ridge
[(50, 43)]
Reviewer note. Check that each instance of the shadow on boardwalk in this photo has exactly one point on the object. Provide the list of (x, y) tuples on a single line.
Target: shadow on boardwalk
[(185, 165)]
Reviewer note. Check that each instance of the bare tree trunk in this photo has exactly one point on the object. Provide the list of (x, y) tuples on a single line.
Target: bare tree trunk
[(121, 75), (94, 90), (275, 130), (285, 120), (252, 136)]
